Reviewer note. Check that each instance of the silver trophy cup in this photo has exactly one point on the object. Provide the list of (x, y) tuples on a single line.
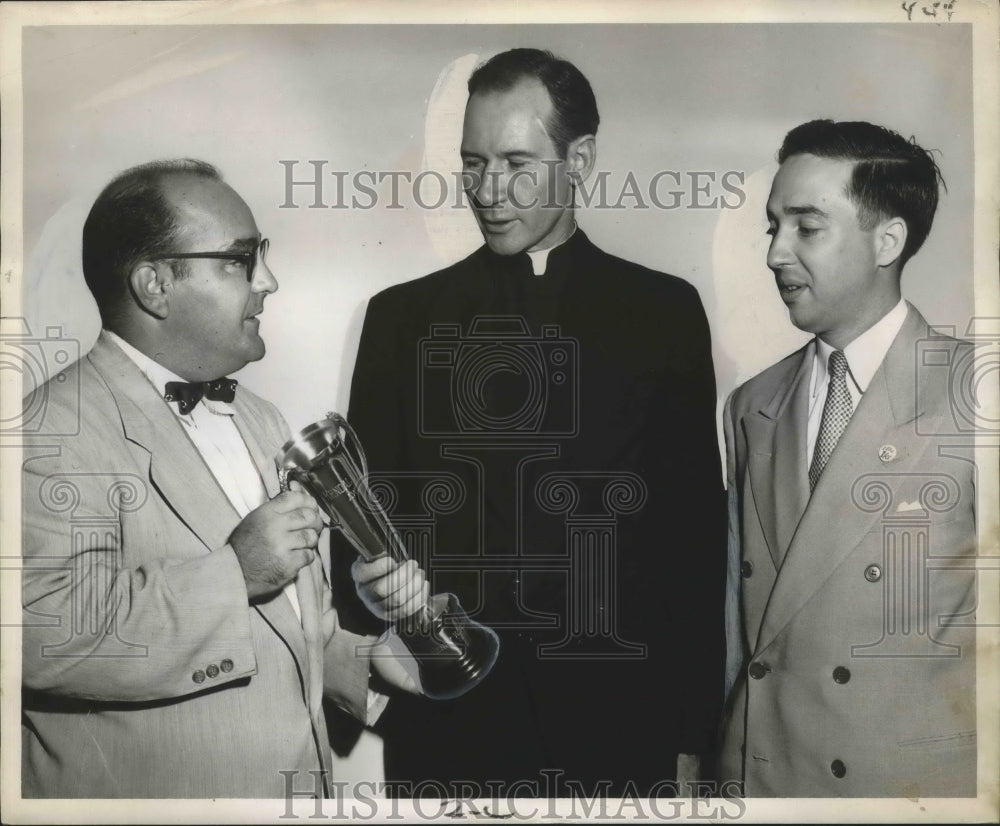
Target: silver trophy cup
[(453, 652)]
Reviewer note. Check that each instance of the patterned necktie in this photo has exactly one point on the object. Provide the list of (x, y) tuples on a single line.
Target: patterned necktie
[(187, 394), (836, 414)]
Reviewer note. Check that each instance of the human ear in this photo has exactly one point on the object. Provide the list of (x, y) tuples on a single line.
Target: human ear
[(151, 288), (581, 156), (890, 239)]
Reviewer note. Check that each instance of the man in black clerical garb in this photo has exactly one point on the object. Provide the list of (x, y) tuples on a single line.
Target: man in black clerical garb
[(540, 420)]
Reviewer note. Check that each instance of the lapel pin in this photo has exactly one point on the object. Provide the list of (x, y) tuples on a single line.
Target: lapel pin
[(887, 453)]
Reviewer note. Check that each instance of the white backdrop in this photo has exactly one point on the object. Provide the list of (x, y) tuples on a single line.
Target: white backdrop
[(682, 99)]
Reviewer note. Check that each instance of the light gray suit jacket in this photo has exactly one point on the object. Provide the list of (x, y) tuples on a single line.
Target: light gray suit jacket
[(145, 671), (854, 651)]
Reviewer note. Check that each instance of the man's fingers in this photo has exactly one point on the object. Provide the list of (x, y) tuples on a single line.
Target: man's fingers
[(391, 590), (290, 500), (306, 538), (299, 514), (402, 583), (417, 601), (410, 580), (401, 591), (309, 516), (365, 572)]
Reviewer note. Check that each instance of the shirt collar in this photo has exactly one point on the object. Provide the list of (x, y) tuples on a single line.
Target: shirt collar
[(866, 352), (540, 258), (158, 376)]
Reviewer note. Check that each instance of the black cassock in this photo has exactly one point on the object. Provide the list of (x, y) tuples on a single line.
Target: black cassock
[(547, 447)]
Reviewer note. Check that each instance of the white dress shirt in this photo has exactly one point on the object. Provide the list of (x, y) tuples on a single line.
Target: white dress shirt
[(864, 356)]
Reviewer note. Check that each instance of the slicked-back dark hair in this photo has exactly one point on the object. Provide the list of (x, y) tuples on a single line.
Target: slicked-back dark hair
[(574, 108), (892, 176), (131, 220)]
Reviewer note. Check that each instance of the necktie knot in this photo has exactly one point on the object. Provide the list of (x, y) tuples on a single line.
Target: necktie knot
[(187, 394), (837, 365)]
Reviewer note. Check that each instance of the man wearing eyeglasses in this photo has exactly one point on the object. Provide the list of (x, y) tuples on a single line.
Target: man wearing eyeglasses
[(179, 637)]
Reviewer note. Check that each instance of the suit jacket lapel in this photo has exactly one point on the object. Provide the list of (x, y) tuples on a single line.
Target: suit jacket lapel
[(278, 609), (776, 441), (834, 523), (176, 468)]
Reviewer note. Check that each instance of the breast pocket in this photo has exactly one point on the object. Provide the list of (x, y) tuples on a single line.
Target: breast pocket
[(941, 742)]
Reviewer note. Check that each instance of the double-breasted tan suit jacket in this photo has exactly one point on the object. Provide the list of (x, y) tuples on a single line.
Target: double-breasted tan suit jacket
[(854, 657)]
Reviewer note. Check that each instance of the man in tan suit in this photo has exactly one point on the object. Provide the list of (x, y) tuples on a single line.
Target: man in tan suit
[(179, 636), (852, 595)]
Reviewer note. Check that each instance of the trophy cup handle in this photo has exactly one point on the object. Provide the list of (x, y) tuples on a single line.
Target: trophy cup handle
[(354, 449), (285, 476)]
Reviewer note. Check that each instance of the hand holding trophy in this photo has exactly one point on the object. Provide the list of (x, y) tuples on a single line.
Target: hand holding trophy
[(453, 652)]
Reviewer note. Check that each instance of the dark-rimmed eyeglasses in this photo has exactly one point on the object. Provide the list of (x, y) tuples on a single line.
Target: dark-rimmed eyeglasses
[(247, 260)]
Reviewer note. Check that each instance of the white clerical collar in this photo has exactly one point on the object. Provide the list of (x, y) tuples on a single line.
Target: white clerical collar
[(158, 375), (867, 352), (540, 258)]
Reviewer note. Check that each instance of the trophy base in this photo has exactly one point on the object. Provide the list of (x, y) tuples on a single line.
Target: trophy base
[(453, 652)]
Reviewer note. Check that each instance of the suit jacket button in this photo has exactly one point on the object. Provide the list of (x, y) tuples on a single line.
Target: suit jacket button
[(838, 768), (873, 573), (841, 675), (226, 665), (746, 569), (757, 671), (212, 671), (198, 676)]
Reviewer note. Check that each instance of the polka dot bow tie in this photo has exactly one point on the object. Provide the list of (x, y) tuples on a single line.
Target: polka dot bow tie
[(187, 394)]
